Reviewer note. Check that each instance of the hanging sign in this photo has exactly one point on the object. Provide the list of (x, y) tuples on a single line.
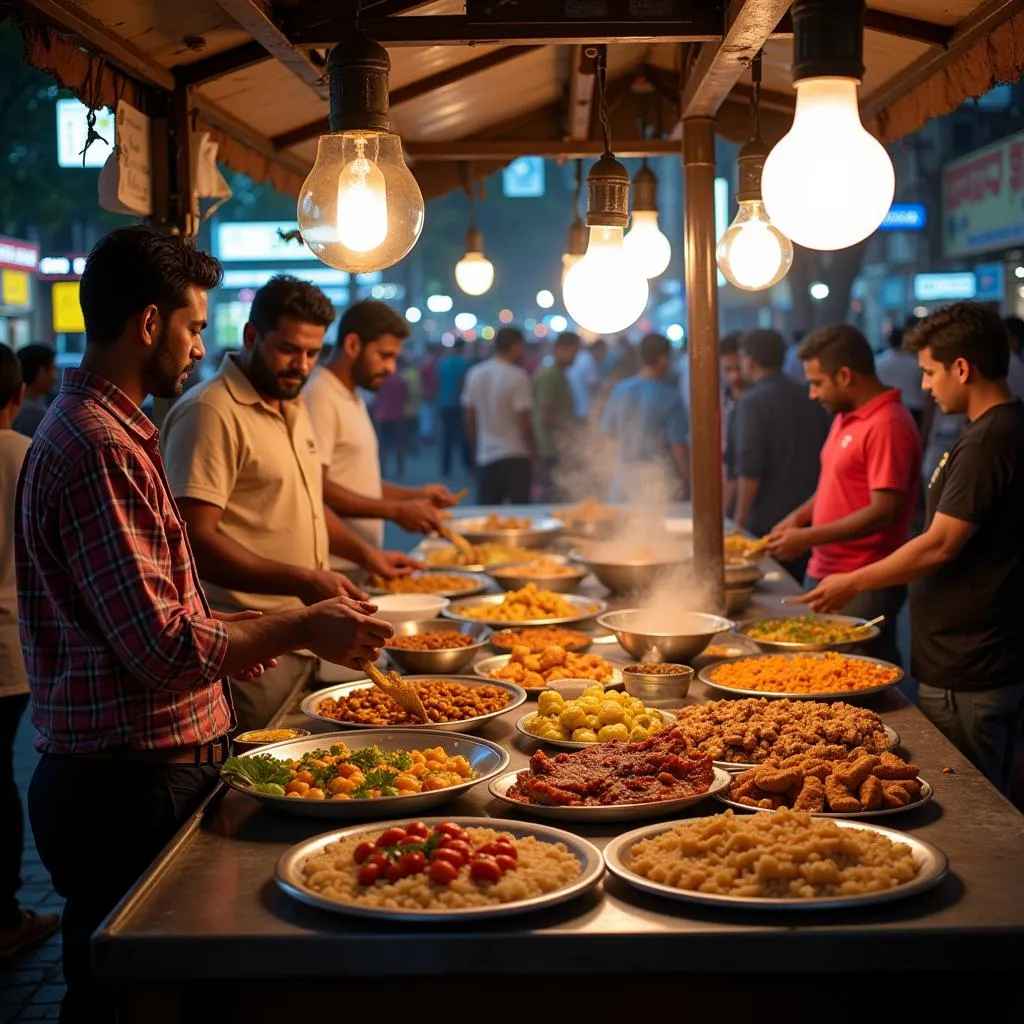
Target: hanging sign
[(135, 180)]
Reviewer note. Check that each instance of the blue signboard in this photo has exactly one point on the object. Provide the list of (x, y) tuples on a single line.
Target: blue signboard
[(905, 217), (524, 178), (991, 282)]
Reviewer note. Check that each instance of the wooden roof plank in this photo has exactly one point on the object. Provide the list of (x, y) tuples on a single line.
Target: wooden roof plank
[(217, 65), (580, 94), (512, 149)]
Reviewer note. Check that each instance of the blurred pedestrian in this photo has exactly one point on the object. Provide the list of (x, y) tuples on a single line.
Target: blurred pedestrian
[(585, 377), (389, 419), (413, 399), (39, 375), (1015, 339), (554, 414), (898, 369), (428, 400), (452, 368)]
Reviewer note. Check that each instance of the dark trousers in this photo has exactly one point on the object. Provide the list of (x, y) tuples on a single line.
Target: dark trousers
[(12, 821), (98, 825), (391, 438), (870, 605), (453, 438), (507, 480)]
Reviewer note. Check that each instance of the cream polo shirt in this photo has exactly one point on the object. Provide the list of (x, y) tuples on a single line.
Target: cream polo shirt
[(223, 444), (348, 447)]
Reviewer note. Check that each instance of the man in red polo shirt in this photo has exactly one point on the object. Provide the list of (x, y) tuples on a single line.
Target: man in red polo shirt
[(870, 467)]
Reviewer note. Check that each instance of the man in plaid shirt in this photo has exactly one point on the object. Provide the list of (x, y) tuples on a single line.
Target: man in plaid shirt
[(127, 665)]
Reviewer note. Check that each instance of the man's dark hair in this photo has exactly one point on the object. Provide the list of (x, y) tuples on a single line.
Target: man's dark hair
[(287, 296), (10, 376), (567, 338), (766, 348), (507, 338), (836, 346), (729, 344), (35, 358), (135, 267), (965, 330), (653, 347), (370, 320)]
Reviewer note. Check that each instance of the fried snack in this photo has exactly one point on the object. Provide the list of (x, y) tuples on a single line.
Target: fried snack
[(438, 640), (542, 566), (539, 638), (811, 797), (839, 798), (535, 671), (424, 583), (444, 700), (803, 673), (892, 767), (488, 553), (894, 795), (870, 794), (852, 775), (526, 604), (776, 780), (803, 629)]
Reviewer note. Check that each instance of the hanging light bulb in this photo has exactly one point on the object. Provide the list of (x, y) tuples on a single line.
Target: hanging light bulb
[(753, 253), (605, 292), (360, 208), (645, 242), (474, 273), (828, 184)]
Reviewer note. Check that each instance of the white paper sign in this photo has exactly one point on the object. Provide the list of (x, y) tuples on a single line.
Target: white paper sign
[(135, 180)]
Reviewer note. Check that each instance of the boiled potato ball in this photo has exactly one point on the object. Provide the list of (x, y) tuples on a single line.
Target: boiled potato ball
[(596, 716)]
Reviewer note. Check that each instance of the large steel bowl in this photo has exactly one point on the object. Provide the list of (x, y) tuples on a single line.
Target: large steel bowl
[(537, 534), (631, 575), (516, 575), (447, 661), (691, 632), (863, 635)]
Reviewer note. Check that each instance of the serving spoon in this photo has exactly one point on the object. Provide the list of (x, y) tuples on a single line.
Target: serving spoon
[(401, 692)]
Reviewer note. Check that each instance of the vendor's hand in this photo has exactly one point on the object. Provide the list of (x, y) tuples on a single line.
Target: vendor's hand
[(789, 543), (832, 594), (253, 671), (391, 564), (418, 516), (790, 522), (321, 584), (344, 631), (439, 495)]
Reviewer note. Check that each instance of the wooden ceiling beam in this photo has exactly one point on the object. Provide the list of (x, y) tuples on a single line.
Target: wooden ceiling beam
[(749, 24), (908, 28), (217, 65), (512, 149), (580, 93)]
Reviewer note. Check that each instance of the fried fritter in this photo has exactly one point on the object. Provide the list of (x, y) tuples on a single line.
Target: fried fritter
[(893, 767), (871, 794), (852, 775), (774, 780), (839, 798), (812, 796)]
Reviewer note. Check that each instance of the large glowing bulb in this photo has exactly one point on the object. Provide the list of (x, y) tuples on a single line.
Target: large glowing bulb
[(753, 253), (569, 260), (474, 273), (605, 291), (360, 208), (827, 184), (646, 243)]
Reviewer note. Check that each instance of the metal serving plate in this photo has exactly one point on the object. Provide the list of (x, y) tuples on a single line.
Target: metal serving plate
[(589, 608), (932, 866), (446, 660), (668, 719), (706, 675), (289, 877), (541, 531), (475, 584), (500, 786), (735, 766), (515, 576), (488, 665), (589, 641), (795, 647), (486, 758), (743, 574), (926, 794), (309, 704)]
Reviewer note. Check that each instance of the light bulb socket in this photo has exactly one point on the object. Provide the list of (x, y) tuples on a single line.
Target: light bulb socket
[(357, 76), (576, 243), (474, 240), (751, 163), (645, 190), (607, 194), (828, 39)]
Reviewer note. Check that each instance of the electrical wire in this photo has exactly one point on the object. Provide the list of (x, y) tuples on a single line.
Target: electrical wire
[(602, 95), (755, 93)]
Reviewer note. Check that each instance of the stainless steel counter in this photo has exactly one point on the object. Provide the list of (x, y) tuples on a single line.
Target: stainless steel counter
[(209, 908)]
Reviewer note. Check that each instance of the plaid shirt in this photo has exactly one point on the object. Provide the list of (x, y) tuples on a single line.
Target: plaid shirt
[(119, 641)]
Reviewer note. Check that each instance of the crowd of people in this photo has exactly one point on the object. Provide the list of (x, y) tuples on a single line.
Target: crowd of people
[(160, 590)]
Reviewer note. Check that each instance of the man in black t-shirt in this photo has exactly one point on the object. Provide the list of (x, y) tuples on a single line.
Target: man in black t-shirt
[(967, 568)]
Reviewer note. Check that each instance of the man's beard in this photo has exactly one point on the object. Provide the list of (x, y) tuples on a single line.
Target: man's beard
[(362, 376), (163, 377), (283, 386)]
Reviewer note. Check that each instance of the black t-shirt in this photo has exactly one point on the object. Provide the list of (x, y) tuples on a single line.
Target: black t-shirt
[(966, 626)]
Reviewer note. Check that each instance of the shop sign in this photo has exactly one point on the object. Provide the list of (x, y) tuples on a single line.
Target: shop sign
[(905, 217), (15, 288), (990, 278), (983, 199), (67, 310), (61, 266), (523, 178), (18, 255), (944, 287), (252, 241)]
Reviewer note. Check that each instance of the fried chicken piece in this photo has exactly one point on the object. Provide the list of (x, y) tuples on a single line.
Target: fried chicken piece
[(871, 794), (817, 768), (852, 775), (894, 795), (743, 786), (771, 802), (812, 796), (552, 657), (913, 788), (839, 798), (892, 767), (519, 654), (775, 780)]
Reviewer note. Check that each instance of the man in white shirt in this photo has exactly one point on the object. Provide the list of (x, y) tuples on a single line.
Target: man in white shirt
[(585, 377), (898, 369), (497, 400), (370, 337)]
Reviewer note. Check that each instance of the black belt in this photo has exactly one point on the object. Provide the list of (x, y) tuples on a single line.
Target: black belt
[(213, 753)]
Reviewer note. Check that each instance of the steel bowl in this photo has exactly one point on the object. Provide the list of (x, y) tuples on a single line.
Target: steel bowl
[(515, 576), (540, 532), (743, 573), (692, 632), (737, 598), (589, 608), (657, 686), (471, 583), (795, 647), (631, 576), (447, 661)]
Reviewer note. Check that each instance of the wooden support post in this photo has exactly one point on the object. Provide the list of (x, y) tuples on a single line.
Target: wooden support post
[(702, 319)]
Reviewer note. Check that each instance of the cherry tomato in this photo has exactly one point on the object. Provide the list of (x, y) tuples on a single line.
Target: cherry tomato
[(397, 871), (449, 828), (411, 841), (484, 869), (493, 849), (414, 862), (506, 863), (417, 828), (369, 873), (362, 851), (452, 857), (507, 848), (442, 873), (390, 837), (457, 844), (380, 860)]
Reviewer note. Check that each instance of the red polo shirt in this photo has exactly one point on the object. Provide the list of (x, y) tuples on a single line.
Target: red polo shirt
[(875, 448)]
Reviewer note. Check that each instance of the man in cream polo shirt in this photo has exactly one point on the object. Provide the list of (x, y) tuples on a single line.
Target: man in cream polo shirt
[(242, 463), (370, 337)]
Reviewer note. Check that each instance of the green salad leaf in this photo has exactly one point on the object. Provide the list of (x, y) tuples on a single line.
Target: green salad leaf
[(254, 771), (366, 759)]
